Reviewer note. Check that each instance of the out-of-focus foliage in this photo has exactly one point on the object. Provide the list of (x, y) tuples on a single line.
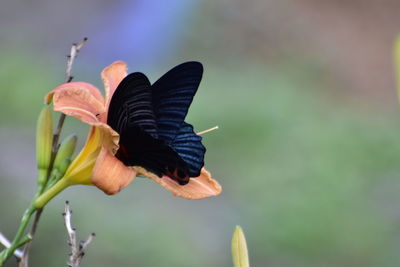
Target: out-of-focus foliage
[(310, 171)]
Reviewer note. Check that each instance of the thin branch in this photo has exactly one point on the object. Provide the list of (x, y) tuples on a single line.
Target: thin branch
[(23, 241), (84, 244), (77, 250), (56, 136), (25, 256), (6, 243), (75, 48), (71, 57), (71, 231)]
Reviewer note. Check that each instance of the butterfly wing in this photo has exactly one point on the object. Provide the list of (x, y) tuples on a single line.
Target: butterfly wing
[(189, 147), (131, 115), (131, 104), (151, 124), (138, 148), (172, 95)]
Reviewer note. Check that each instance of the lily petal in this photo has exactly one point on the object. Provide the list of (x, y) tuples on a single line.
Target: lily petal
[(112, 76), (110, 174), (199, 187), (109, 137), (78, 99), (80, 170)]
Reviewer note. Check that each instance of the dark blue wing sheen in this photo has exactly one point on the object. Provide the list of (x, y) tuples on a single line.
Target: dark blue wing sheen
[(131, 104), (138, 148), (150, 122), (189, 147), (172, 95)]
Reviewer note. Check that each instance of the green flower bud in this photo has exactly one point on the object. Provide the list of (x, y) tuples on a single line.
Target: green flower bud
[(239, 249), (44, 142), (58, 173), (65, 151), (63, 167), (63, 159), (396, 55)]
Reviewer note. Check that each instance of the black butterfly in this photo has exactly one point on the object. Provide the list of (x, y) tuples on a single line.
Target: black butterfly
[(150, 122)]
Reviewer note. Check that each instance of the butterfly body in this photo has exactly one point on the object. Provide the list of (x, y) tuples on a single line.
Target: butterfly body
[(150, 122)]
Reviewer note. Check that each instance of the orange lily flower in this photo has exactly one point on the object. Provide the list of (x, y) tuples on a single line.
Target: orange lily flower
[(97, 164)]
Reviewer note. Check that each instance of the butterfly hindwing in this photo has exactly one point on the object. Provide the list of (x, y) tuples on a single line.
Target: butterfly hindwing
[(189, 147), (172, 95), (138, 148), (131, 104)]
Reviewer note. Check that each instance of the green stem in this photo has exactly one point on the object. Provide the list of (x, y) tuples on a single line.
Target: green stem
[(39, 201), (7, 253), (53, 179), (24, 240), (42, 200)]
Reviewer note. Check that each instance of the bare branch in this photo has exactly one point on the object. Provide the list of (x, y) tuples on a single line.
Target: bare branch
[(25, 257), (75, 48), (86, 242), (71, 57), (77, 250), (6, 243)]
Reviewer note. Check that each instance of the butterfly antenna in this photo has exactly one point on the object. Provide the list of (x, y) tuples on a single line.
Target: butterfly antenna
[(208, 130)]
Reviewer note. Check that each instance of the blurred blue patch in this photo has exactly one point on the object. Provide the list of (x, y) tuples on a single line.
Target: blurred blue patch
[(142, 32)]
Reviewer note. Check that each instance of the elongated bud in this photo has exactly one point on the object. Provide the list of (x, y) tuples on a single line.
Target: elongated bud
[(65, 151), (396, 55), (239, 249), (44, 142), (62, 168), (63, 159), (58, 173)]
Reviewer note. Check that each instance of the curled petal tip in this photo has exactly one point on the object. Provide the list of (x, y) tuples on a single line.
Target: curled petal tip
[(112, 75), (78, 99)]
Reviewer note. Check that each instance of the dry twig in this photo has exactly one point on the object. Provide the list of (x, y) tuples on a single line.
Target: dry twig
[(6, 243), (68, 78), (71, 57), (77, 249)]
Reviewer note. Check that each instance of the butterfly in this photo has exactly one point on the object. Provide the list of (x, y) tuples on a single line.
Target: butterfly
[(150, 119)]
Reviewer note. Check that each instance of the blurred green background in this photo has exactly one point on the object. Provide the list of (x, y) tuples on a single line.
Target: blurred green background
[(308, 149)]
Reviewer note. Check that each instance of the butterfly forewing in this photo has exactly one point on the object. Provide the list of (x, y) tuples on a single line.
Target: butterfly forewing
[(172, 95), (131, 104)]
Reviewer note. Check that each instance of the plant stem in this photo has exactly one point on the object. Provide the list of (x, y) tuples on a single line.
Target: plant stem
[(42, 200), (17, 239), (25, 253), (41, 188)]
